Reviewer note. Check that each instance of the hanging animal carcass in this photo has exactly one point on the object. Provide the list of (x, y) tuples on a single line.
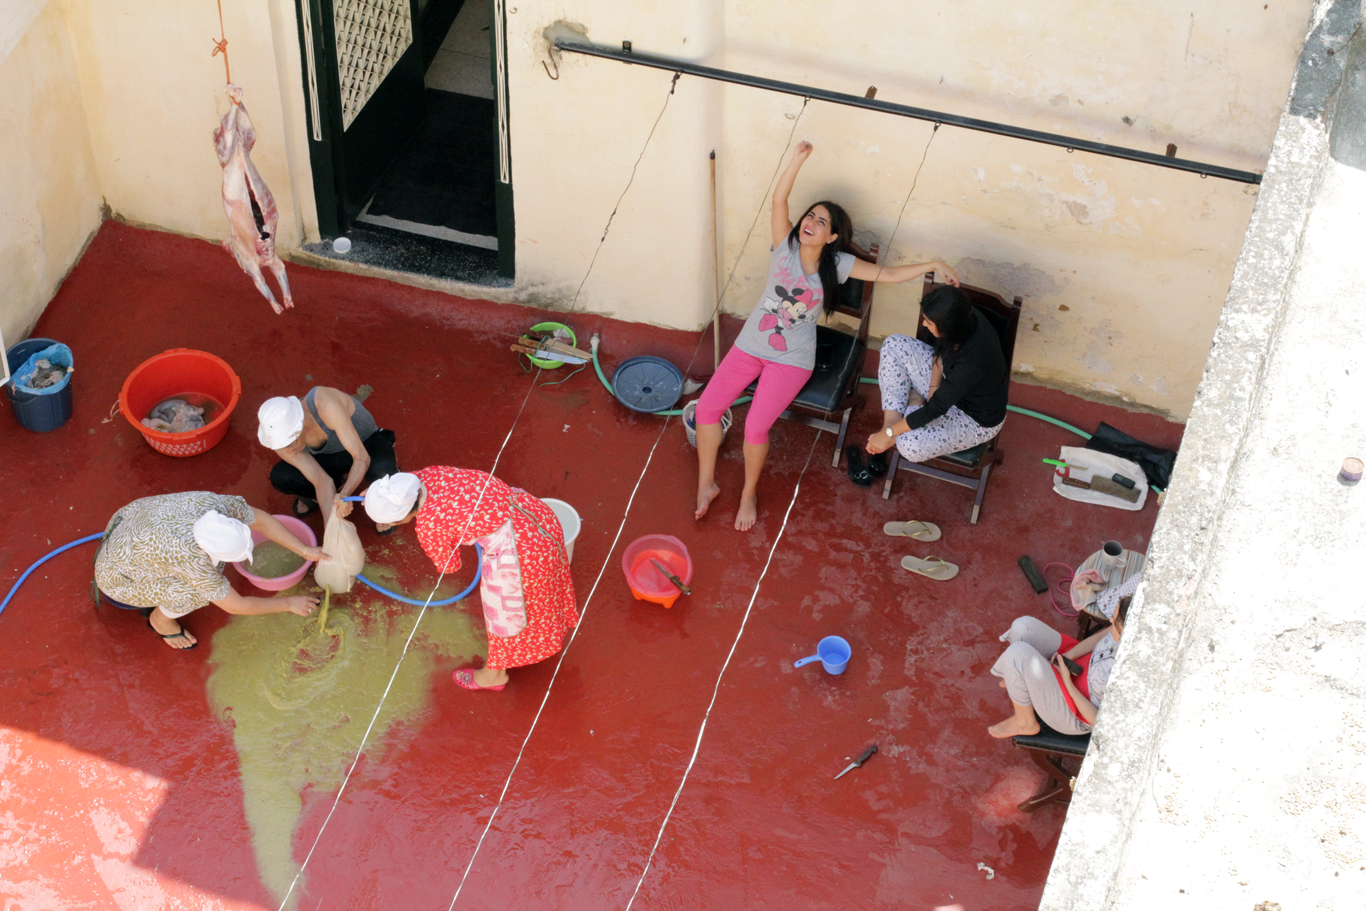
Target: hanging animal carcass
[(247, 200)]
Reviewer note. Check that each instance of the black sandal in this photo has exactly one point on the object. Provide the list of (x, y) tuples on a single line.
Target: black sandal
[(878, 464), (179, 635), (858, 469)]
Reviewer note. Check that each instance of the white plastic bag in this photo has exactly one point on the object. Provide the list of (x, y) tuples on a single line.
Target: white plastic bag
[(342, 544)]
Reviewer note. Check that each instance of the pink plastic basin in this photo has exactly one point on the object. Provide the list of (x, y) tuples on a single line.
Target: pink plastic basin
[(646, 581), (280, 583)]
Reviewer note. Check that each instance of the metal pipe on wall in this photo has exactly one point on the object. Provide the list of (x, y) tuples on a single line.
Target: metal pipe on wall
[(626, 55)]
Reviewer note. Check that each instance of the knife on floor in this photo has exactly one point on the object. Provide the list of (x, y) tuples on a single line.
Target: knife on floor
[(677, 582), (863, 757)]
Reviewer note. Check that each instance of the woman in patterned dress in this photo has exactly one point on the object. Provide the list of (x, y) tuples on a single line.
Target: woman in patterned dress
[(528, 595), (154, 559)]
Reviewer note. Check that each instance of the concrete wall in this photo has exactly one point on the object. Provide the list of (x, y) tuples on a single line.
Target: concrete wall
[(154, 94), (1226, 769), (1123, 267), (49, 196)]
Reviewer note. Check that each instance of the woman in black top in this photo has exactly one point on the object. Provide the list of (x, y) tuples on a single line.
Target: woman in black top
[(947, 397)]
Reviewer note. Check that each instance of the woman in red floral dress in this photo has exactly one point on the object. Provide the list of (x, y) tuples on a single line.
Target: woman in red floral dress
[(528, 594)]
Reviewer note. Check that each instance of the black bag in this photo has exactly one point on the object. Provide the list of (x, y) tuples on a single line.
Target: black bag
[(1156, 463)]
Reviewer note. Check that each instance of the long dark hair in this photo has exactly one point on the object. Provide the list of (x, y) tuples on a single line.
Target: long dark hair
[(952, 314), (842, 227), (1122, 611)]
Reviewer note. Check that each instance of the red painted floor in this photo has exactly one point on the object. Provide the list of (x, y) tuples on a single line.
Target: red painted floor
[(123, 788)]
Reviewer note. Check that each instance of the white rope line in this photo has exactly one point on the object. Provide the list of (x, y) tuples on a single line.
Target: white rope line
[(706, 326), (915, 180), (413, 632), (583, 612), (626, 514), (607, 227), (716, 690)]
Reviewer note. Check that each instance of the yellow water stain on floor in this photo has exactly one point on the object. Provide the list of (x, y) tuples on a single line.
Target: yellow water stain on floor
[(299, 700)]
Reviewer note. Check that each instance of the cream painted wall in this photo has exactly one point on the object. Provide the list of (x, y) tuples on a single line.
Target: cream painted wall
[(49, 197), (154, 94), (574, 144), (1123, 267)]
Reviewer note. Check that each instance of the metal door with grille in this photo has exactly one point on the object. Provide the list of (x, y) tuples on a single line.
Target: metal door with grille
[(364, 93)]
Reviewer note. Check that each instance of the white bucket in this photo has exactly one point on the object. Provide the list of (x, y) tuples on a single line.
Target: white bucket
[(569, 521), (690, 422)]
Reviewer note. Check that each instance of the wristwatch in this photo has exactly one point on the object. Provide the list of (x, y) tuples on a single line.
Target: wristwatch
[(889, 432)]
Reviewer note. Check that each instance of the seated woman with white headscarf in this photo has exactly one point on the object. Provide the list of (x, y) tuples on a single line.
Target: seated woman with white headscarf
[(525, 586), (164, 557), (329, 446)]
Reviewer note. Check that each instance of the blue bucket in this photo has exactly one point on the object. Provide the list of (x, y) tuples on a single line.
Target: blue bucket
[(37, 412)]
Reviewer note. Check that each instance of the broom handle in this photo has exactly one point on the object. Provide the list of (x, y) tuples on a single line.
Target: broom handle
[(716, 261)]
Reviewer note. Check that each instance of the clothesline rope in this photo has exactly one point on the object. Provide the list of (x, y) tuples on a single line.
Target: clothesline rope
[(716, 688), (317, 839), (558, 664)]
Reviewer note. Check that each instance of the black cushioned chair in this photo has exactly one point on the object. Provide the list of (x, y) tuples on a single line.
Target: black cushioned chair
[(832, 393), (1049, 749), (970, 468)]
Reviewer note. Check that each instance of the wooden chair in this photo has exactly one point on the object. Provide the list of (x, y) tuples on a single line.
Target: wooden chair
[(832, 394), (1049, 749), (970, 468)]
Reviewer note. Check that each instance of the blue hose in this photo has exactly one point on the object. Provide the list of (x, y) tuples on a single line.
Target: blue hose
[(383, 591), (479, 570), (28, 572)]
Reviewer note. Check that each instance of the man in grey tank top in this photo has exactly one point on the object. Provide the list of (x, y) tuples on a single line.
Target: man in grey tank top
[(329, 447)]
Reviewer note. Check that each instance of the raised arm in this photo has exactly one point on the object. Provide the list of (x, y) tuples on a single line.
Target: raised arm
[(782, 219), (893, 275)]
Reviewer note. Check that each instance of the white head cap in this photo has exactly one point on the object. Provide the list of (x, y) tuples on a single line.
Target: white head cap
[(391, 498), (282, 420), (225, 540)]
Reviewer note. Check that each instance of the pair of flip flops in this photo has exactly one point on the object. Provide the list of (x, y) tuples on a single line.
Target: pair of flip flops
[(935, 568), (864, 471)]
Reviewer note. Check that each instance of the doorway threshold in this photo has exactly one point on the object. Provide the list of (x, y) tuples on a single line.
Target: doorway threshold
[(417, 254)]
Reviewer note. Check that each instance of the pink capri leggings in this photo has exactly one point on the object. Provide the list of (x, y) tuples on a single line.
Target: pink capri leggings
[(778, 386)]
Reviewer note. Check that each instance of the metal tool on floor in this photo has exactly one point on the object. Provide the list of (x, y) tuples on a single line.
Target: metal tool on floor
[(862, 758), (1106, 486), (673, 580)]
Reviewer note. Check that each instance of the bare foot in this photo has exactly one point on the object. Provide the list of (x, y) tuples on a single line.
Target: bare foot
[(1012, 727), (487, 677), (176, 636), (704, 499), (748, 514)]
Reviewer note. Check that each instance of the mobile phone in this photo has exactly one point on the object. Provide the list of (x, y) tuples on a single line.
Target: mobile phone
[(1075, 669)]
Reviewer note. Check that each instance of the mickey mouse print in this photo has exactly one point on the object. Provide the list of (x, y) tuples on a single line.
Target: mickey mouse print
[(782, 327)]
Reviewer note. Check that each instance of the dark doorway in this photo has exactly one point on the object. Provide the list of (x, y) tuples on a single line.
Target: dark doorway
[(429, 202)]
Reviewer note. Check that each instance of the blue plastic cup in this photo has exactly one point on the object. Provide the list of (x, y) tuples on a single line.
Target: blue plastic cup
[(833, 654)]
